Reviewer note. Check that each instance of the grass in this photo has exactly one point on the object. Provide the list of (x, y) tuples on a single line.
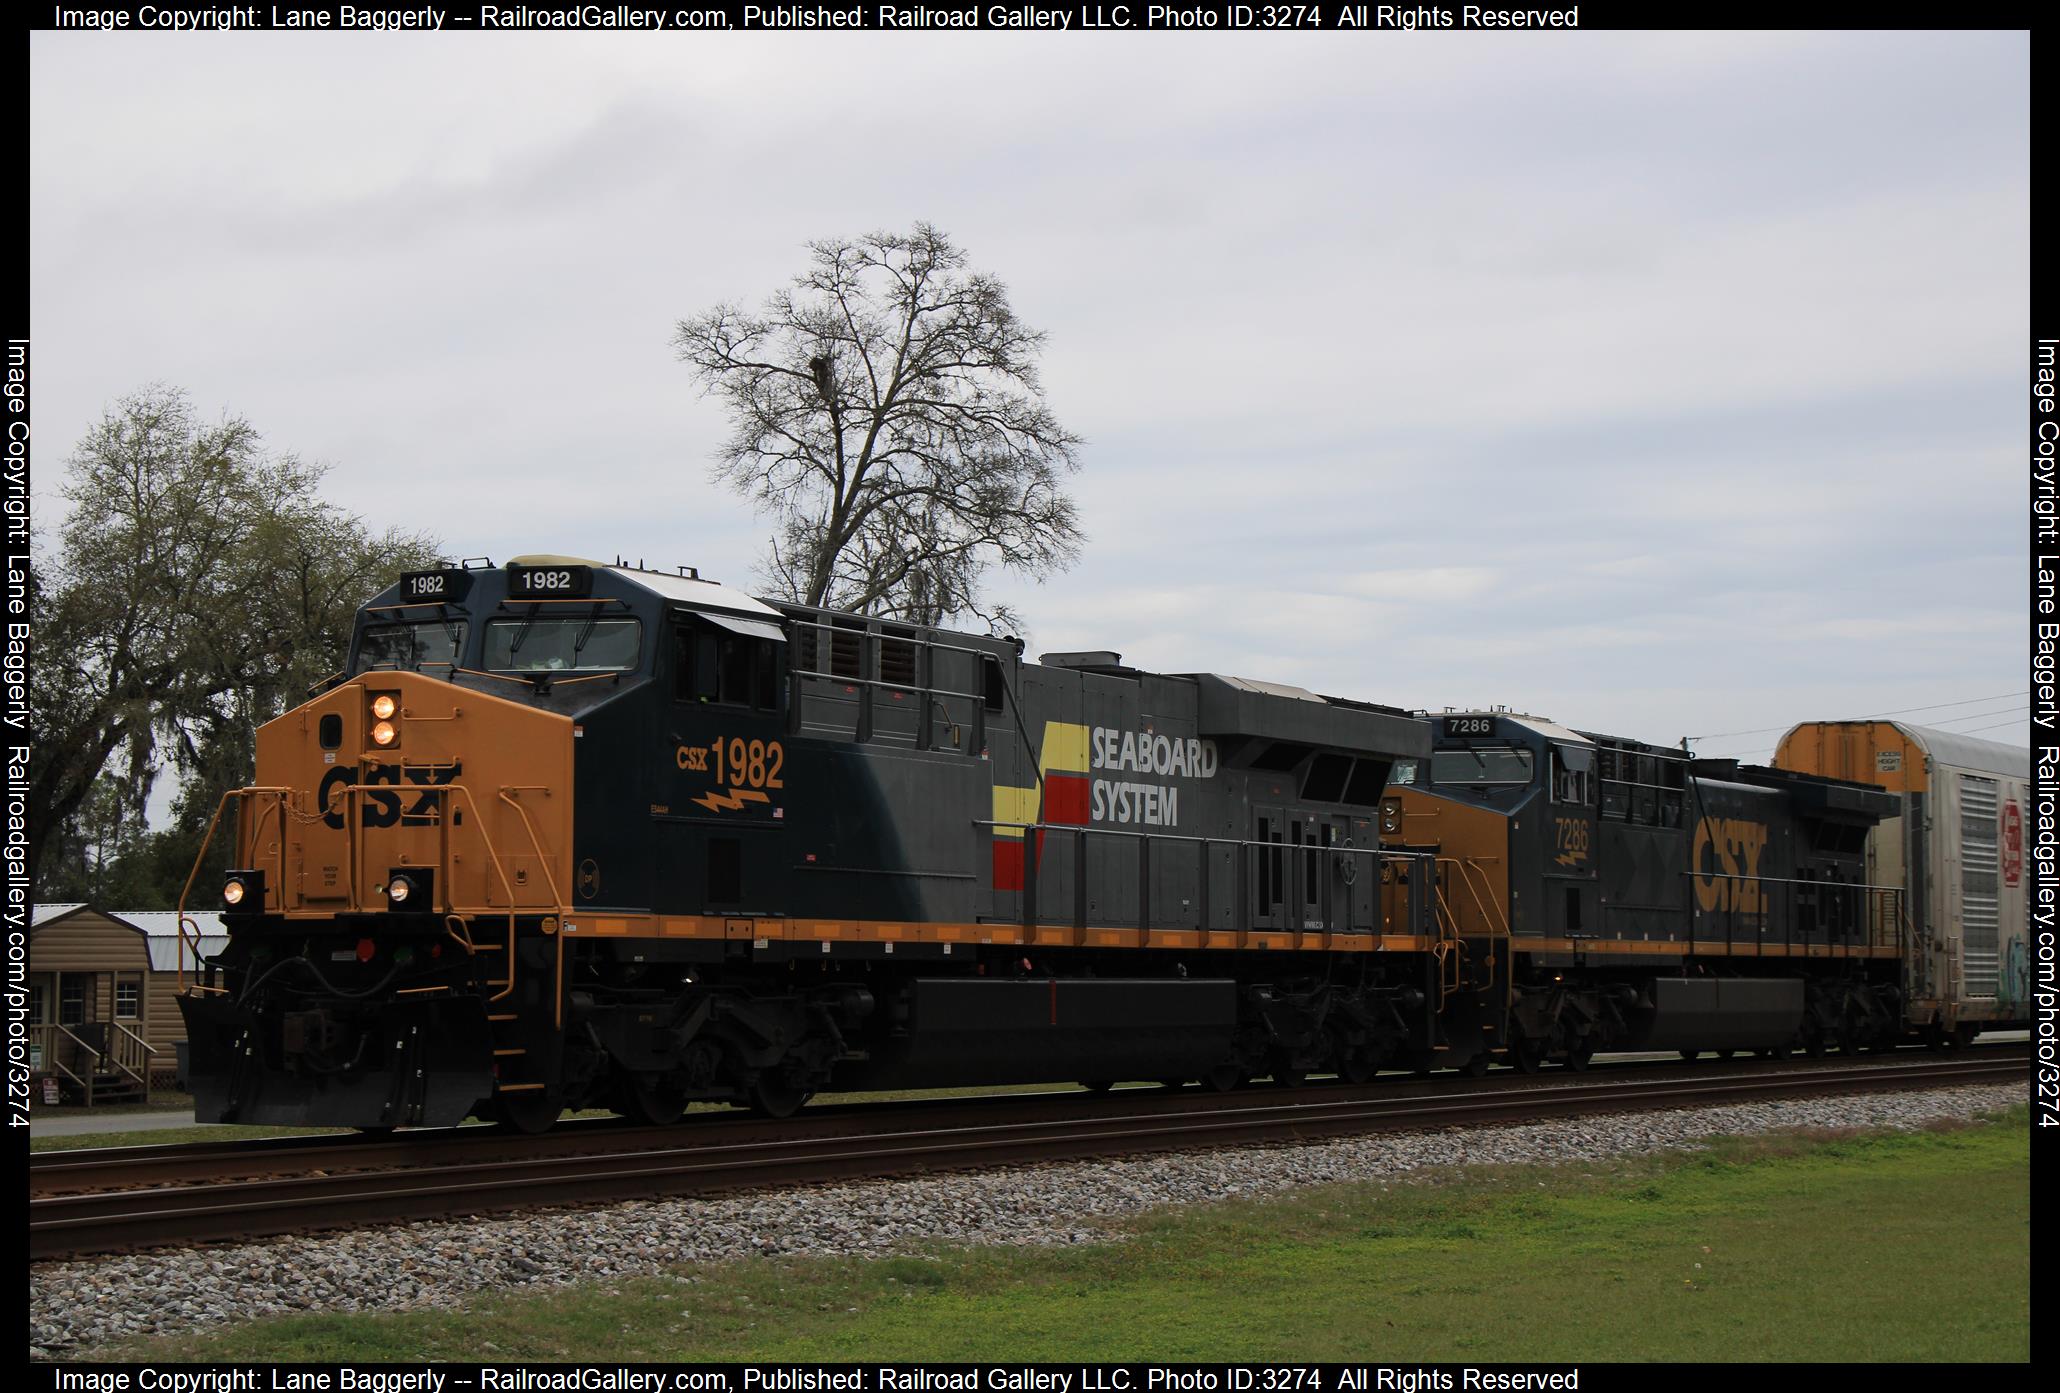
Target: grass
[(170, 1136), (162, 1100), (1829, 1247)]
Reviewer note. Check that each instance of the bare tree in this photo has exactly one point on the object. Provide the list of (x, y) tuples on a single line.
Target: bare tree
[(887, 413)]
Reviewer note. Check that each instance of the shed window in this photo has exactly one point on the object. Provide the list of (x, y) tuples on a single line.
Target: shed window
[(128, 999), (71, 1003)]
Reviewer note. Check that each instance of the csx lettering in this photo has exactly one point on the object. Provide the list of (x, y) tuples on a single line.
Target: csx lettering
[(1729, 847), (692, 757), (384, 809)]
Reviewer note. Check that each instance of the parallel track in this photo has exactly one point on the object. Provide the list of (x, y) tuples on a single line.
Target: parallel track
[(455, 1175)]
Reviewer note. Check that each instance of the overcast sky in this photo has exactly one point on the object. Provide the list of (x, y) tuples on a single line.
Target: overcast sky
[(1664, 384)]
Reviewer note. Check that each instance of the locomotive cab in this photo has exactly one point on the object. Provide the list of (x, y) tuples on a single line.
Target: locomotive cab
[(499, 751)]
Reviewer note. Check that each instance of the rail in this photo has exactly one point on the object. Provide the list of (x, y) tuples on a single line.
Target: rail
[(61, 1053), (823, 634), (1287, 881), (1761, 912), (185, 921), (351, 796), (130, 1053)]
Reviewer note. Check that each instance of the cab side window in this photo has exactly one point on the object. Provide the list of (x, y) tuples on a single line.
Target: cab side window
[(1573, 776), (714, 666)]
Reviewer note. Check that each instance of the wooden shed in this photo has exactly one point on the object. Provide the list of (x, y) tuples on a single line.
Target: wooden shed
[(103, 999)]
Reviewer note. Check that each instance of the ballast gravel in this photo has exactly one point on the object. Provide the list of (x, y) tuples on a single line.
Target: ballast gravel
[(77, 1306)]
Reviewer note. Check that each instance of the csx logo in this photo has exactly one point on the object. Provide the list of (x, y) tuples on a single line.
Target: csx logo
[(1729, 847), (384, 809)]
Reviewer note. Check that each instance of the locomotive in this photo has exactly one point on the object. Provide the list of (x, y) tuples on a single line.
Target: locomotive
[(569, 834)]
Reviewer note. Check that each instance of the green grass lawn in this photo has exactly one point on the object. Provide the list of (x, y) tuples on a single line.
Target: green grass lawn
[(1897, 1247)]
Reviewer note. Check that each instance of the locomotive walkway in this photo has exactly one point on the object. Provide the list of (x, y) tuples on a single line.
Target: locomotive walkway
[(140, 1197)]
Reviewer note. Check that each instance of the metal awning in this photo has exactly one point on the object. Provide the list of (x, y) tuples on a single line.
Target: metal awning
[(738, 624)]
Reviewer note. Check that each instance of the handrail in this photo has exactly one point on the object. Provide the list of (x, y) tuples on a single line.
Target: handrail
[(128, 1060), (51, 1059), (557, 905), (200, 859), (1449, 947), (1875, 909), (1242, 846), (1468, 869)]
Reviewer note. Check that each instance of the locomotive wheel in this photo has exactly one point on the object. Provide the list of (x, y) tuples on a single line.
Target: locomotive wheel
[(1578, 1057), (1814, 1046), (1725, 1054), (650, 1103), (1526, 1054), (1173, 1085), (527, 1113), (1690, 1056), (776, 1098), (1477, 1067), (1357, 1067), (1223, 1078), (1099, 1085), (1290, 1078)]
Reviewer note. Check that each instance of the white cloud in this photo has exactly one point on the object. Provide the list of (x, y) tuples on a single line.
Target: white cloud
[(1660, 380)]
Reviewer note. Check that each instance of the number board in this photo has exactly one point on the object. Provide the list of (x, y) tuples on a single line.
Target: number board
[(549, 582), (1461, 727), (419, 587)]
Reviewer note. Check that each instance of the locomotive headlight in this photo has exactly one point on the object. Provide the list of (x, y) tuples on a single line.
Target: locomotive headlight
[(383, 706), (243, 890), (410, 888), (383, 733)]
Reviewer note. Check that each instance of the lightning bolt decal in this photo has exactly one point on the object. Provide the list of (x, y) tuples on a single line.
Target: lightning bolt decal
[(731, 801)]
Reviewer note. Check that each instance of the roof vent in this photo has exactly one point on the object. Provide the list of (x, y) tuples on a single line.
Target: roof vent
[(1100, 657)]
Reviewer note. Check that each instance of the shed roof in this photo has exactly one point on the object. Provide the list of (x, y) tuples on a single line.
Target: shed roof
[(164, 952), (158, 927)]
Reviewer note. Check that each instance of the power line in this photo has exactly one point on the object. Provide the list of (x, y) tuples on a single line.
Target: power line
[(1905, 711), (1981, 715), (1997, 726)]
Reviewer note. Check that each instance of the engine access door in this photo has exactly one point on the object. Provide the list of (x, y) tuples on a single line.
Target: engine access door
[(722, 815)]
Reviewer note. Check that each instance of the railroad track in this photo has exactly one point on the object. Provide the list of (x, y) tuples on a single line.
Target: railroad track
[(641, 1163), (140, 1167)]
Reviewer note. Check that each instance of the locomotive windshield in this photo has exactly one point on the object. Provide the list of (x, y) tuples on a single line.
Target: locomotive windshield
[(1497, 764), (433, 643), (561, 645)]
